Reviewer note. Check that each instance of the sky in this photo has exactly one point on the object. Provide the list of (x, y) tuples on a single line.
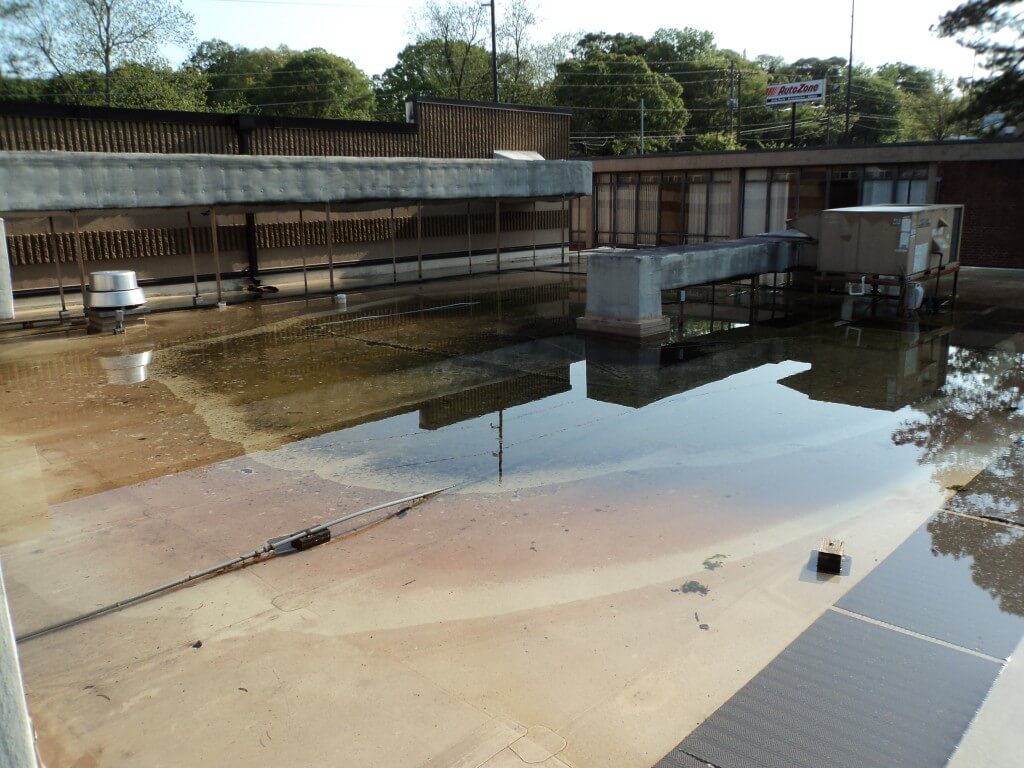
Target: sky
[(372, 33)]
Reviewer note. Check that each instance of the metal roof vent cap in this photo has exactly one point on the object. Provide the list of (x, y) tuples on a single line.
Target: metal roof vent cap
[(115, 289)]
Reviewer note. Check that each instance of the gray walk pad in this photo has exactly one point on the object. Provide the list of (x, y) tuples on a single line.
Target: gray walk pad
[(845, 694), (955, 579)]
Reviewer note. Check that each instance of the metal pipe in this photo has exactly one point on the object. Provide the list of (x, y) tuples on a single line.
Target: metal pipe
[(192, 255), (330, 242), (80, 258), (216, 254), (56, 261), (273, 546), (302, 253)]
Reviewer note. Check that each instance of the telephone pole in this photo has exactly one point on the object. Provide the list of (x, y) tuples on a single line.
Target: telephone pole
[(849, 72), (641, 126)]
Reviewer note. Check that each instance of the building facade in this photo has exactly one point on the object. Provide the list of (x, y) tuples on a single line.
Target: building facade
[(672, 199)]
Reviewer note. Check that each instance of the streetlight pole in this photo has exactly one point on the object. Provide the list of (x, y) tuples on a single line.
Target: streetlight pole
[(494, 53)]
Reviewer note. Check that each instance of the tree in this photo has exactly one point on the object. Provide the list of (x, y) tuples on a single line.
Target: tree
[(932, 115), (238, 76), (995, 30), (316, 83), (426, 68), (132, 86), (517, 71), (458, 30), (608, 119), (69, 36)]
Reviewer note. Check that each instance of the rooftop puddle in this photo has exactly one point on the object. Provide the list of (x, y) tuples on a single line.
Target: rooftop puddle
[(600, 486)]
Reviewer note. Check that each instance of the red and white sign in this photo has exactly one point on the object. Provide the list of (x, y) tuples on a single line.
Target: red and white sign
[(792, 93)]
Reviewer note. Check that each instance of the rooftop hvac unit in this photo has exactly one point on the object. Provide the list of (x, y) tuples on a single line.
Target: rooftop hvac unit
[(898, 240)]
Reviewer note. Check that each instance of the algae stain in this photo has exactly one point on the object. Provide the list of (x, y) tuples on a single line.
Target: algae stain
[(713, 562), (692, 588)]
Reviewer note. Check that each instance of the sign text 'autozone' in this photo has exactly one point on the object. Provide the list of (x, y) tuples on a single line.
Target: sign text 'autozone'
[(788, 93)]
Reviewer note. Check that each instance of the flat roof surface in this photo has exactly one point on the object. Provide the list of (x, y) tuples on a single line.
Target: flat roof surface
[(628, 548)]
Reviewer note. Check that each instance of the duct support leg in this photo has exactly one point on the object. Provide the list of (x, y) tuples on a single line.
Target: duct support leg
[(216, 257), (55, 253)]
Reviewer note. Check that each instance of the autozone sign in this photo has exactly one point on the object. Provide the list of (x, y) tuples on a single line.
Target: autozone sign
[(791, 93)]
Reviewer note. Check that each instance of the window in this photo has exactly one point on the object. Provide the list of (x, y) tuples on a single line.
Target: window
[(878, 185), (782, 199), (696, 207), (755, 202), (843, 191), (671, 218), (812, 191), (912, 185), (719, 205)]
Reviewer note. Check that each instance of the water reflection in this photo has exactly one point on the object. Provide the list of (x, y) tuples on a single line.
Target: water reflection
[(996, 552), (980, 403), (491, 381)]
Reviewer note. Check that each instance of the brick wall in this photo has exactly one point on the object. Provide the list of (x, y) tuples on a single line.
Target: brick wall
[(992, 194)]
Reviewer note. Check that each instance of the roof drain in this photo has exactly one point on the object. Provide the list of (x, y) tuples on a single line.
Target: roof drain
[(306, 538)]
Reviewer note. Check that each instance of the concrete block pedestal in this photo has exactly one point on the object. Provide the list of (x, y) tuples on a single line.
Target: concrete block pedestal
[(633, 329)]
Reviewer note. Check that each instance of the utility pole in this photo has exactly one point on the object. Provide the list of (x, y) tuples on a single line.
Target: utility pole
[(732, 97), (494, 53), (849, 73), (739, 103), (641, 126), (792, 124)]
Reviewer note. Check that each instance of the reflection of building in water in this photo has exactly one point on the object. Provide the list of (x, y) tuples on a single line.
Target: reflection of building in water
[(629, 374), (855, 365), (479, 401), (872, 368), (334, 371)]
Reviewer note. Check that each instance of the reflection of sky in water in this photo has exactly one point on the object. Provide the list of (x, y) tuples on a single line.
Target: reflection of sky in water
[(745, 435)]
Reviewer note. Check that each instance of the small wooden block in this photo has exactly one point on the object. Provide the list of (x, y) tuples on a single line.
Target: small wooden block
[(830, 556)]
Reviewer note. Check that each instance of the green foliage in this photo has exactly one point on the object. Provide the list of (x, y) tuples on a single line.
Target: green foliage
[(607, 119), (433, 68), (929, 105), (238, 76), (995, 30), (65, 37), (719, 141), (316, 83)]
